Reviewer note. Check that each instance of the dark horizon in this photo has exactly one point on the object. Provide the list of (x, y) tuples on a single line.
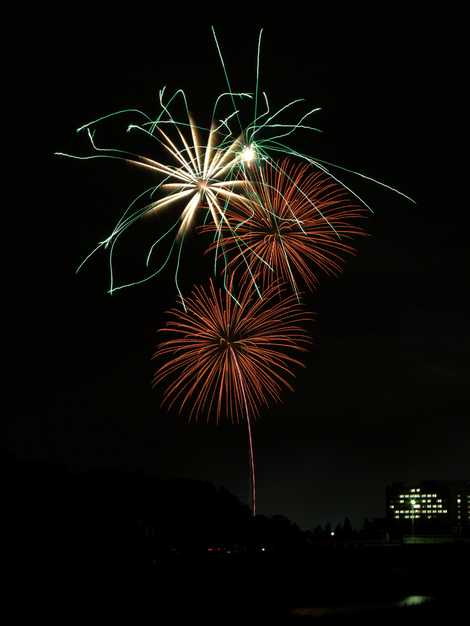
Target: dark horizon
[(384, 395)]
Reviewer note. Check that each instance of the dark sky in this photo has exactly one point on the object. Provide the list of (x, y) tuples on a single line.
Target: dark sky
[(384, 396)]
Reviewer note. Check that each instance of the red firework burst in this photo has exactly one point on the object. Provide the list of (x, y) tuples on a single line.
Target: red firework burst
[(296, 223), (229, 358)]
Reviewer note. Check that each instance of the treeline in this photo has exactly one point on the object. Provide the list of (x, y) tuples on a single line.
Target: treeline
[(130, 518), (371, 529), (126, 516)]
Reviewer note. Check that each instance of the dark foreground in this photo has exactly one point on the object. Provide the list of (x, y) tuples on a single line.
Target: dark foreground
[(409, 584), (100, 547)]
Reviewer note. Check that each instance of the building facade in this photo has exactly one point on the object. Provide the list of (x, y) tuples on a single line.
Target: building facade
[(429, 506)]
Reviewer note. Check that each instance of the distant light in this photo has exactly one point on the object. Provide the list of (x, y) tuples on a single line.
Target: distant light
[(332, 533), (263, 549)]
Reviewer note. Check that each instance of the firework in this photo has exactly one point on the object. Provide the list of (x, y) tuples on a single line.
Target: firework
[(199, 179), (229, 359), (204, 178), (294, 223), (199, 176)]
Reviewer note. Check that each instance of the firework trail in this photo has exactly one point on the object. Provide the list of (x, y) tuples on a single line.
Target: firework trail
[(229, 359), (262, 135)]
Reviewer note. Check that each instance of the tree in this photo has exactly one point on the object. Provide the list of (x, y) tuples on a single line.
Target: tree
[(347, 528)]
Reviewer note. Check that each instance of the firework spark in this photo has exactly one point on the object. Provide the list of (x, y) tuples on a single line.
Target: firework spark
[(225, 359), (265, 135), (295, 223)]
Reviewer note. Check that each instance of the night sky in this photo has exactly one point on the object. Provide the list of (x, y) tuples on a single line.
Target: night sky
[(384, 396)]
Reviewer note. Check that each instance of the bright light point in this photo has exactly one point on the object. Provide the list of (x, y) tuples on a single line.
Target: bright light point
[(332, 533), (248, 154)]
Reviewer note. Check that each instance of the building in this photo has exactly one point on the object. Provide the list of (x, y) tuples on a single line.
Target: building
[(434, 506)]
